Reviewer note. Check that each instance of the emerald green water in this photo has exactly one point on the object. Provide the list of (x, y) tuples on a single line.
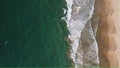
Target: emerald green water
[(35, 33)]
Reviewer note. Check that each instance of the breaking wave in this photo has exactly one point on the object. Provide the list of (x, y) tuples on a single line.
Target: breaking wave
[(84, 49)]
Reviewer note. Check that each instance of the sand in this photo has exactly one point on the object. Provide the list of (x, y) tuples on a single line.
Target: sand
[(108, 33)]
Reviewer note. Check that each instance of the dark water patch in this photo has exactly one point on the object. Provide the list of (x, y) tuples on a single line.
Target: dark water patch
[(35, 33)]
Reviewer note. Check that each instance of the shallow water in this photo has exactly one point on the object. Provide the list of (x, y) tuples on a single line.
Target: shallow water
[(84, 51)]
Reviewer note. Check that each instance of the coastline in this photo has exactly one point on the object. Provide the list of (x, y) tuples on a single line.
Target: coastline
[(105, 21), (79, 16)]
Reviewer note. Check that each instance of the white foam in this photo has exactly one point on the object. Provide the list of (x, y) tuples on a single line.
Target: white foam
[(69, 10), (77, 17)]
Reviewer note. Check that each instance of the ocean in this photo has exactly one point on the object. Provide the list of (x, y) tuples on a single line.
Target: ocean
[(32, 34)]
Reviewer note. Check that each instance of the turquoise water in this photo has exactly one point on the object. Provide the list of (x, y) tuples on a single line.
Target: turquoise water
[(33, 34)]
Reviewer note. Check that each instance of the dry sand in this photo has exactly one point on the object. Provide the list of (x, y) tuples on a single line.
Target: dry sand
[(108, 34)]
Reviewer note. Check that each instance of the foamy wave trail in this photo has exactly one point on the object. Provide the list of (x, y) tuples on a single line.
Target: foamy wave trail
[(79, 13)]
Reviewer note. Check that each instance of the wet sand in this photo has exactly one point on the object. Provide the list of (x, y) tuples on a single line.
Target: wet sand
[(108, 33)]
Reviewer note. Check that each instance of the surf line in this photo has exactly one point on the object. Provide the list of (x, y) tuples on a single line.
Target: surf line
[(75, 25)]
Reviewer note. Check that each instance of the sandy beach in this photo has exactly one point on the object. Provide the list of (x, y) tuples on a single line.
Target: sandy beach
[(108, 34)]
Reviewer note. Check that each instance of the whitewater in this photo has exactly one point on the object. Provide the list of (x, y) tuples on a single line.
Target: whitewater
[(84, 48)]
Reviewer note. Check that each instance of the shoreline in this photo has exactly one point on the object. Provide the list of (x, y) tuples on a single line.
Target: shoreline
[(107, 15), (78, 15)]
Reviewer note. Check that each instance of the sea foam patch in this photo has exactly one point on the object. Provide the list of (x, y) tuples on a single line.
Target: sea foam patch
[(79, 12)]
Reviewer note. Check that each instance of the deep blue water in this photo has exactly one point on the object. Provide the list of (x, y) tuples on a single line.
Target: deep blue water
[(33, 34)]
